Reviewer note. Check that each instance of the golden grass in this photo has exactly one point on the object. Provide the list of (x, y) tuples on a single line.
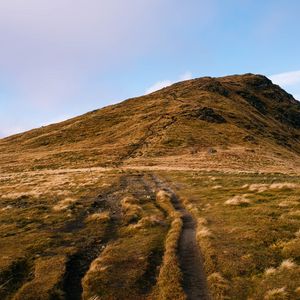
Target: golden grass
[(276, 294), (218, 286), (262, 187), (279, 283), (249, 251), (170, 277), (101, 217), (163, 199), (64, 204), (44, 287), (128, 266), (118, 273), (170, 133), (132, 211), (238, 200), (42, 221)]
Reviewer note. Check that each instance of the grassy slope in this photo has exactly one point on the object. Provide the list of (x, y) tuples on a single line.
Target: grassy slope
[(245, 118)]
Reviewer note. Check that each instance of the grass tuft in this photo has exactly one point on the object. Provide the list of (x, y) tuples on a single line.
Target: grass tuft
[(169, 280)]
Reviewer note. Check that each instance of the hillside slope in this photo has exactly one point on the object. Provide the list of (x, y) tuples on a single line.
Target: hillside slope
[(240, 122)]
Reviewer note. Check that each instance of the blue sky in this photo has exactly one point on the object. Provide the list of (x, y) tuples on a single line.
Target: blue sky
[(61, 58)]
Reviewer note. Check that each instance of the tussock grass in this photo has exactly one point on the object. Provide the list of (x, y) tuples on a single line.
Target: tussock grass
[(169, 280), (288, 203), (249, 243), (270, 271), (262, 187), (64, 204), (128, 266), (170, 277), (238, 200), (163, 199), (218, 286), (117, 272), (132, 211), (148, 221), (291, 248), (101, 217), (278, 283), (44, 287), (287, 264), (33, 206), (276, 294)]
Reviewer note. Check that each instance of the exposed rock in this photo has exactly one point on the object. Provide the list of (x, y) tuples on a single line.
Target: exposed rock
[(215, 86), (208, 114), (253, 100)]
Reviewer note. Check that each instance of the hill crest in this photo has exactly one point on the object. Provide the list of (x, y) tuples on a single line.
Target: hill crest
[(239, 121)]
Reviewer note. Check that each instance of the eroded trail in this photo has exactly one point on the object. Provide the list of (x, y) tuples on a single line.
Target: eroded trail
[(191, 263), (190, 259)]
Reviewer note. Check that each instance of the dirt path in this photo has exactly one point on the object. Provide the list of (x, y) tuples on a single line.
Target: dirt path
[(142, 185), (191, 263), (190, 259)]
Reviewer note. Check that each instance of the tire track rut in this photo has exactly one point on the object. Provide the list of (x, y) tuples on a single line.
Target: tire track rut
[(79, 263), (190, 259)]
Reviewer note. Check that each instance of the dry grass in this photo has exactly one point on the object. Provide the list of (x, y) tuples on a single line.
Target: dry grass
[(218, 286), (163, 199), (238, 200), (216, 283), (280, 282), (250, 251), (43, 287), (262, 187), (126, 268), (149, 221), (169, 279), (132, 211), (276, 294), (101, 217), (42, 223), (64, 204), (180, 133)]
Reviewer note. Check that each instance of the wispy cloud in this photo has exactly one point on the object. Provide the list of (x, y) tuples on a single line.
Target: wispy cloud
[(186, 76), (286, 78), (290, 81), (158, 85), (164, 83)]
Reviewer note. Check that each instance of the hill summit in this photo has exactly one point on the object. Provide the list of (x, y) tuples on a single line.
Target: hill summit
[(240, 122)]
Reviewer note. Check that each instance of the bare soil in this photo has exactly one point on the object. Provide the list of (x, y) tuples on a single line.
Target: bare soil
[(191, 262)]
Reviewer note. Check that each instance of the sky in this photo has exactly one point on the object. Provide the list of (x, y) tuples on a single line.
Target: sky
[(62, 58)]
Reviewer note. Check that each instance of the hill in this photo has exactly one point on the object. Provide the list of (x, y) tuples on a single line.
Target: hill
[(149, 199), (240, 122)]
